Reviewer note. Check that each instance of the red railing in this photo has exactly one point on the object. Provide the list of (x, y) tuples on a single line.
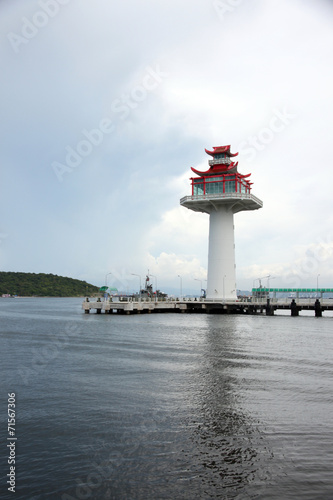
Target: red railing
[(233, 182)]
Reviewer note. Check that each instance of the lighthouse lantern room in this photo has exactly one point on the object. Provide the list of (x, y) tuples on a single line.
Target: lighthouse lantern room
[(221, 192)]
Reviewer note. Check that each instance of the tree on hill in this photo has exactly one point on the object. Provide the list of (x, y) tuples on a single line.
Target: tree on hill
[(41, 285)]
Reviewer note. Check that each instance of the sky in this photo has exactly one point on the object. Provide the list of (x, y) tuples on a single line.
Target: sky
[(107, 105)]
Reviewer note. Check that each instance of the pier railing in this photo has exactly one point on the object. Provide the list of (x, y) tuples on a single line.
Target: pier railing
[(250, 300), (298, 301)]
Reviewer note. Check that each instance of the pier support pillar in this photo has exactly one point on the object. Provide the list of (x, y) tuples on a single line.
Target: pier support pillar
[(294, 308), (269, 308), (318, 309)]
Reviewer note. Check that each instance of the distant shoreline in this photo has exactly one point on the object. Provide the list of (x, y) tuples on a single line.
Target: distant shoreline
[(17, 284)]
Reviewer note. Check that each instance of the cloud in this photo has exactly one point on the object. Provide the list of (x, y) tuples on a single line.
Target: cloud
[(225, 79)]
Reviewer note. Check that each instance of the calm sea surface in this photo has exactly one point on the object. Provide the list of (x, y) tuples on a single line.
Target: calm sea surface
[(165, 406)]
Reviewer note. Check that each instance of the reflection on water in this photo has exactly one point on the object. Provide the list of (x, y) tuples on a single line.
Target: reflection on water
[(230, 443)]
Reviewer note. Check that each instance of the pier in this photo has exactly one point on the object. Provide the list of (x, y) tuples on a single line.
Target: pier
[(125, 305)]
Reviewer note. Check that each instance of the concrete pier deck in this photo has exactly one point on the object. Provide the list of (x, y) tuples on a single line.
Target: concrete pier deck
[(203, 306)]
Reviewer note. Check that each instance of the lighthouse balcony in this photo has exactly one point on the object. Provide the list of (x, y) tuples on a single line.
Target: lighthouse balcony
[(235, 202)]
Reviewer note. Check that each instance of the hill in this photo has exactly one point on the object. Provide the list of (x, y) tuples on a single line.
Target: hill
[(42, 285)]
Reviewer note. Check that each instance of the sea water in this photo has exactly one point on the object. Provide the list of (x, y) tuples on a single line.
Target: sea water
[(165, 406)]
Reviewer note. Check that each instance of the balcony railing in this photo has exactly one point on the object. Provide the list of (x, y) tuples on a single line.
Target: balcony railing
[(221, 196), (219, 161)]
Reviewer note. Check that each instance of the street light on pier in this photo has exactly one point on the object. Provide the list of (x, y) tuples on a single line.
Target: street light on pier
[(258, 294), (106, 279), (254, 281), (181, 287), (317, 283), (272, 278), (259, 279), (197, 279)]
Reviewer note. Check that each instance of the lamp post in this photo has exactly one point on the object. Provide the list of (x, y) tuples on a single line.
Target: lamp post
[(106, 284), (155, 286), (254, 294), (138, 275), (181, 287), (256, 279), (317, 283), (223, 287), (260, 280), (272, 278), (197, 279), (258, 296)]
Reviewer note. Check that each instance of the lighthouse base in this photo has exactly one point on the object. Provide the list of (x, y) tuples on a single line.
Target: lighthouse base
[(221, 207), (221, 282)]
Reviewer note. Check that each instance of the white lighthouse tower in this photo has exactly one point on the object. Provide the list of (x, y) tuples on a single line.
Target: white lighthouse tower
[(221, 192)]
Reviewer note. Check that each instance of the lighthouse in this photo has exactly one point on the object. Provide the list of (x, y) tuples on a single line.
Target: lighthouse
[(221, 192)]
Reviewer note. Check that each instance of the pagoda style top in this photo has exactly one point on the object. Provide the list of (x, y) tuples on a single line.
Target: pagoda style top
[(221, 162), (221, 186), (219, 150)]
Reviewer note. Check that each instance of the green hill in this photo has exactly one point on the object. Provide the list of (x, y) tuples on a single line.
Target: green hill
[(42, 285)]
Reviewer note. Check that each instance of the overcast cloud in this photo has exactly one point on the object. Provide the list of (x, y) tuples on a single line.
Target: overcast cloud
[(106, 106)]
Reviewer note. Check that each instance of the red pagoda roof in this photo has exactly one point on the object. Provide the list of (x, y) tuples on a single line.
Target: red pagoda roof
[(221, 149), (218, 169), (220, 165)]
